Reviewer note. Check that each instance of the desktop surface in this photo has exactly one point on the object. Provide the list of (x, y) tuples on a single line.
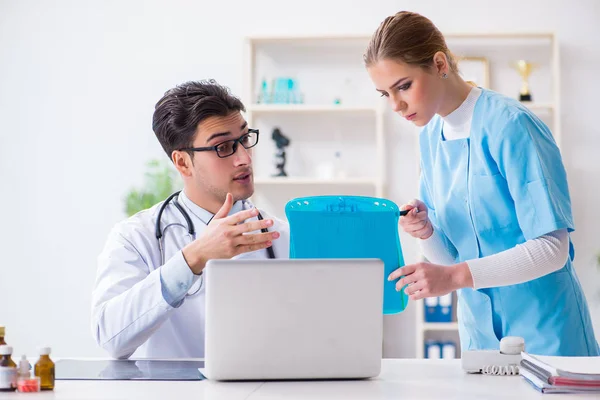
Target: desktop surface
[(399, 379)]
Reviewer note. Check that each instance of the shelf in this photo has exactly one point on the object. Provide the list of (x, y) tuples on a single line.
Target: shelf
[(306, 108), (500, 35), (307, 38), (539, 106), (311, 42), (440, 326), (361, 38), (533, 39), (311, 108), (314, 181)]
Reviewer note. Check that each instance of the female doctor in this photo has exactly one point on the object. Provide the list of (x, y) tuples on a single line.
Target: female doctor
[(495, 213), (149, 294)]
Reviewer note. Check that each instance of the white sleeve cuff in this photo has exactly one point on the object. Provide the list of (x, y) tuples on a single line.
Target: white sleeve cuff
[(176, 279), (435, 250)]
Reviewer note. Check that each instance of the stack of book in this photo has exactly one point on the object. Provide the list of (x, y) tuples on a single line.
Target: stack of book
[(561, 374)]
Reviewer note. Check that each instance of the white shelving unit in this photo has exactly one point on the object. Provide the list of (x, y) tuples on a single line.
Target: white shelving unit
[(500, 50), (258, 109), (504, 48), (324, 68), (282, 181), (441, 326), (444, 331)]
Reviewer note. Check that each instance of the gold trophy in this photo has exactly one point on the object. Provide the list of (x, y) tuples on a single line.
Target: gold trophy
[(524, 69)]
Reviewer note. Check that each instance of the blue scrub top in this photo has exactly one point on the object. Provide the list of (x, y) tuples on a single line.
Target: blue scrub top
[(501, 186)]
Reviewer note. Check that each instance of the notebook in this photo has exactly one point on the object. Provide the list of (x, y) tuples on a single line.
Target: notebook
[(545, 387), (587, 368), (551, 374), (349, 227)]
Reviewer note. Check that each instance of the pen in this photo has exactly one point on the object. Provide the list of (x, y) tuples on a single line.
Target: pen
[(404, 212)]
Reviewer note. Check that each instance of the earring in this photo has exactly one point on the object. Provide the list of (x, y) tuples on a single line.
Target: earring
[(444, 75)]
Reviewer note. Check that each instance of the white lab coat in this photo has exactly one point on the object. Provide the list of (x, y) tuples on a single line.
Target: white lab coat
[(129, 312)]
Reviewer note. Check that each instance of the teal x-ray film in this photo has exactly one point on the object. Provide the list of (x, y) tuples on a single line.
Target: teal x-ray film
[(349, 227)]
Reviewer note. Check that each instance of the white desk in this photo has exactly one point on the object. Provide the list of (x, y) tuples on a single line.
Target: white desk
[(399, 379)]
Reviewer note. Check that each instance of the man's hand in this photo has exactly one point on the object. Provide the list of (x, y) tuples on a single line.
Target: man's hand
[(227, 236), (431, 280), (416, 223)]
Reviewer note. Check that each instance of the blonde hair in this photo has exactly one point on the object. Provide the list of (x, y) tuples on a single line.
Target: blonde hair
[(408, 37)]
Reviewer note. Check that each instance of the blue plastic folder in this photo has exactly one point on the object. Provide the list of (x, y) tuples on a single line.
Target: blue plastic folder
[(349, 227)]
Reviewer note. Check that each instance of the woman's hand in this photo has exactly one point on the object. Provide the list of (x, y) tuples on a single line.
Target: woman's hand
[(416, 223), (431, 280)]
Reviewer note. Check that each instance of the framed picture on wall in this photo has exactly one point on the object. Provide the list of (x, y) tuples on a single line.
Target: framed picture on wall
[(475, 69)]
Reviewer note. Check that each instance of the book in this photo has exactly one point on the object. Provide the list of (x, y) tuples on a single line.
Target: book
[(573, 368), (545, 387), (550, 374)]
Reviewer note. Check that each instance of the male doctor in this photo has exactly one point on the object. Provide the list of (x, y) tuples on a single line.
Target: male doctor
[(154, 308)]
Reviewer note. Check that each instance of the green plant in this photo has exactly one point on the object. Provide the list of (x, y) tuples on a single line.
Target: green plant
[(161, 179)]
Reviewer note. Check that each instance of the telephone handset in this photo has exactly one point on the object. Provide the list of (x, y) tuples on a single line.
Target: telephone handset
[(494, 362)]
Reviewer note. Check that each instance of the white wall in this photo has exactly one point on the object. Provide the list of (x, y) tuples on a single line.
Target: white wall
[(78, 83)]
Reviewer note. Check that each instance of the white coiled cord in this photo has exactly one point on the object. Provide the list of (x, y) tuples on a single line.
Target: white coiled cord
[(500, 370)]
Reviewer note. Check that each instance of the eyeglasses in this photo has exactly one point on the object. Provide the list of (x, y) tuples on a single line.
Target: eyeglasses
[(229, 147)]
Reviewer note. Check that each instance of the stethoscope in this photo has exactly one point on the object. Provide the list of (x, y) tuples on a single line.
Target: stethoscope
[(159, 233)]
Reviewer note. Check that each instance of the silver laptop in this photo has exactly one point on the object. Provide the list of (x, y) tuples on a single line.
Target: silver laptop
[(293, 319)]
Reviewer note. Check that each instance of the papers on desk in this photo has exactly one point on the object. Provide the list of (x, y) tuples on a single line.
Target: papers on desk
[(562, 374)]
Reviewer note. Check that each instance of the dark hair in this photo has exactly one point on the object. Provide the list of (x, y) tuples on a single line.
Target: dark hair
[(410, 38), (178, 113)]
